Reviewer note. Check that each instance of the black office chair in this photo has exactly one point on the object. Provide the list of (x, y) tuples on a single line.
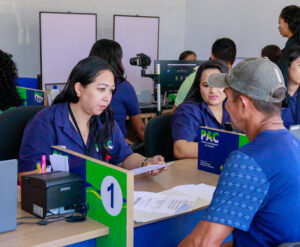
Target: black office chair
[(12, 124), (158, 137)]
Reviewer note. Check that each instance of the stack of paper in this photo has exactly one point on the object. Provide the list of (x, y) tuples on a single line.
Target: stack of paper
[(59, 162), (150, 206)]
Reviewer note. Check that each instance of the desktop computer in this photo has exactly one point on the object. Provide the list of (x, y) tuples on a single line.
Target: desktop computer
[(173, 73)]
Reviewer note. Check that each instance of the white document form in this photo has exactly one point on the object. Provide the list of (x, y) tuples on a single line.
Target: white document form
[(59, 162), (150, 206), (149, 168), (159, 203)]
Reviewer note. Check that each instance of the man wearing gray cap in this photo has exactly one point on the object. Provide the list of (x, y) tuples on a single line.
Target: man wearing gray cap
[(258, 193)]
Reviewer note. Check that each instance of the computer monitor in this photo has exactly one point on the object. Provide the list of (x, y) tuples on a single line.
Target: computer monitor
[(174, 72), (237, 60)]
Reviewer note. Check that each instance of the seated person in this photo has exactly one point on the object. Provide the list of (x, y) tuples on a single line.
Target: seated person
[(9, 96), (81, 119), (124, 101), (203, 107), (188, 56), (290, 66), (258, 194), (272, 52), (224, 49)]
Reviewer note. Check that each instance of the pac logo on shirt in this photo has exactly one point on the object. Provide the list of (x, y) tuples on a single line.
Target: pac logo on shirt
[(109, 145), (210, 136)]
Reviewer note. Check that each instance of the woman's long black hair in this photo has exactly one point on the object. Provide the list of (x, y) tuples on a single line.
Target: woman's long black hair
[(9, 95), (291, 15), (86, 72), (194, 95), (111, 52), (288, 56)]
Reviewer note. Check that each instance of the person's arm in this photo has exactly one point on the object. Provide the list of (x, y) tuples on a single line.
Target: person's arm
[(174, 108), (207, 234), (185, 125), (185, 150), (136, 160), (217, 223), (27, 173), (184, 90), (138, 125)]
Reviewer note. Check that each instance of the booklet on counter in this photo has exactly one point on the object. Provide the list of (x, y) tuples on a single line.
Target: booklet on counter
[(214, 145)]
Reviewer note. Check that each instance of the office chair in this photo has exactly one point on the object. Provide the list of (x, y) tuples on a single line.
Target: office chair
[(158, 137), (12, 124)]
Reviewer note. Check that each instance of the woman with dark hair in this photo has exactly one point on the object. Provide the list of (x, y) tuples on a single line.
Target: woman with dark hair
[(289, 64), (81, 119), (9, 96), (289, 25), (204, 106), (124, 102)]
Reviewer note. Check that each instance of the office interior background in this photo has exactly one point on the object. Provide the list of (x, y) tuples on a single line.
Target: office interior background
[(184, 24)]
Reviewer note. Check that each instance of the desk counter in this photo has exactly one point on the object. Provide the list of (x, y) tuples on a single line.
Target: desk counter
[(54, 234)]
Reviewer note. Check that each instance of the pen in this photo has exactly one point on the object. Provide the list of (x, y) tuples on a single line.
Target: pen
[(43, 163), (38, 167)]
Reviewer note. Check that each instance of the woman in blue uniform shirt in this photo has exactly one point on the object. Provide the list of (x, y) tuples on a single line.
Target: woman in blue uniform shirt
[(124, 101), (204, 106), (81, 119), (289, 64)]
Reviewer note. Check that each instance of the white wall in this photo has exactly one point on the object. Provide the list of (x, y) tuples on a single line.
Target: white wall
[(184, 24), (19, 25), (251, 24)]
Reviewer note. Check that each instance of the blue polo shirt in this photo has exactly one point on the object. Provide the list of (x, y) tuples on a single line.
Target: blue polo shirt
[(52, 126), (124, 102), (258, 192), (188, 117), (287, 115)]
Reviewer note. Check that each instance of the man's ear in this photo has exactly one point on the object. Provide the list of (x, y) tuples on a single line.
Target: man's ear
[(245, 104), (78, 89)]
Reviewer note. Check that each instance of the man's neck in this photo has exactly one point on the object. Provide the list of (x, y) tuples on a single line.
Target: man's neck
[(262, 122)]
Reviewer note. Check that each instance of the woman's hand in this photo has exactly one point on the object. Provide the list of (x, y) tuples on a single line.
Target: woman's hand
[(157, 159)]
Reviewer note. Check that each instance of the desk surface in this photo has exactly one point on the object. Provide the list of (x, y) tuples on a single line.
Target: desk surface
[(55, 234)]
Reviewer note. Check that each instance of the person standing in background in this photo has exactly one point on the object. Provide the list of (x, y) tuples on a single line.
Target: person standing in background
[(124, 102), (289, 25)]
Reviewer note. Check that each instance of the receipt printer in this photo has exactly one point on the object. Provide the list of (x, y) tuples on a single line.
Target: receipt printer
[(44, 192)]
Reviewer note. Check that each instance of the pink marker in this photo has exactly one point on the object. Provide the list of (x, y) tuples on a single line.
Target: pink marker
[(43, 163)]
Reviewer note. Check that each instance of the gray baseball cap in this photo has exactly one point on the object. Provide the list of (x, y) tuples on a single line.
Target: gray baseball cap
[(257, 78)]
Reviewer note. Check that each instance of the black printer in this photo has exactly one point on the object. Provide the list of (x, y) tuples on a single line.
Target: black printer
[(48, 191)]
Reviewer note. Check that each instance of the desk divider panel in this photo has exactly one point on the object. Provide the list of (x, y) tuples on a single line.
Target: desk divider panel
[(109, 194), (32, 96)]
